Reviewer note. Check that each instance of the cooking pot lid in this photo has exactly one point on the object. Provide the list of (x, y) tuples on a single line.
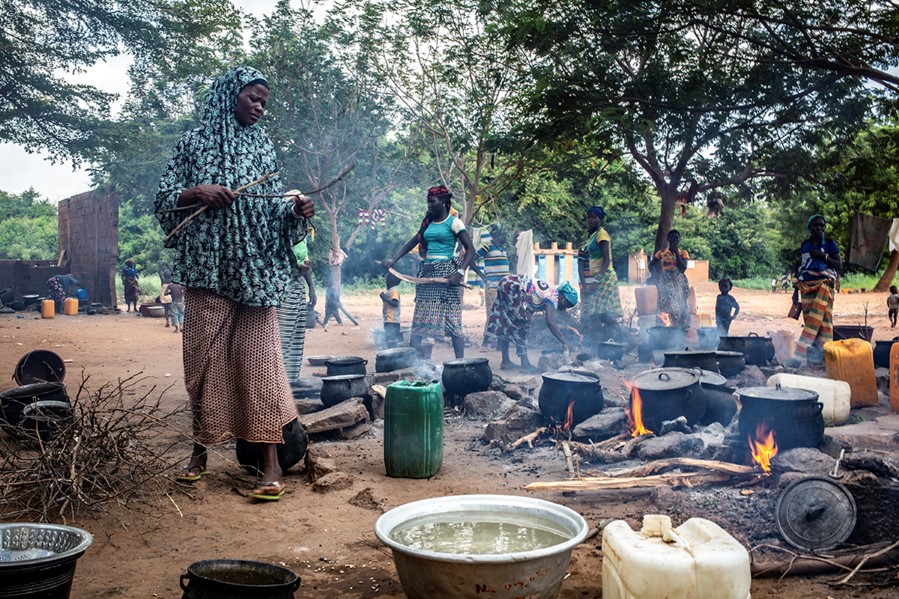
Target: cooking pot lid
[(815, 513), (778, 393), (344, 360), (570, 377), (712, 379), (466, 362), (343, 377), (728, 354), (395, 351), (689, 353), (665, 379)]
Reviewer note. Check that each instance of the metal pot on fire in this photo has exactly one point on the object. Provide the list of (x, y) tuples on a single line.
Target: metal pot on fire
[(336, 389), (466, 375), (689, 358), (579, 389), (610, 350), (756, 349), (720, 403), (794, 415), (339, 365), (730, 363), (666, 394)]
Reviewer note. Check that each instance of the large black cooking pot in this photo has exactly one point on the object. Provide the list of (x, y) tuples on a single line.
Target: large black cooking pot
[(610, 350), (397, 358), (336, 389), (882, 352), (730, 363), (466, 375), (668, 393), (794, 414), (667, 338), (249, 455), (561, 389), (755, 349), (345, 365), (720, 403), (705, 360), (13, 401)]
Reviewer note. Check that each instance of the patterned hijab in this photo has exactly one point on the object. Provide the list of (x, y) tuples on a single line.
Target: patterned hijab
[(237, 150)]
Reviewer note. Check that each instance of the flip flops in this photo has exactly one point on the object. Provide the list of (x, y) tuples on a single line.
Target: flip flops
[(192, 474), (270, 491)]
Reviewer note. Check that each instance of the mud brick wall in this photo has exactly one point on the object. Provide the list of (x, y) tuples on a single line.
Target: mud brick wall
[(89, 236), (27, 277)]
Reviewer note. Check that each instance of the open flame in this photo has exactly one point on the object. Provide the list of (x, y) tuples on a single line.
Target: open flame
[(635, 413), (763, 446), (666, 320), (569, 417)]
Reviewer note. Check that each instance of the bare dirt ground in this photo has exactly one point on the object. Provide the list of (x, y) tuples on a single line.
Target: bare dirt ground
[(326, 539)]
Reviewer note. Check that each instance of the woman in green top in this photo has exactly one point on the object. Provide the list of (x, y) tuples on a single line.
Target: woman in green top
[(234, 261), (600, 301), (438, 306)]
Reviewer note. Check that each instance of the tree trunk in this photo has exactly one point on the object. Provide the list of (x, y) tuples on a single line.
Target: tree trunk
[(887, 279), (335, 243), (666, 217)]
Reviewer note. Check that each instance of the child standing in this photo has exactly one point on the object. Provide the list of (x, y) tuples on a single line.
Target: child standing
[(176, 308), (391, 300), (726, 307), (893, 305), (129, 283)]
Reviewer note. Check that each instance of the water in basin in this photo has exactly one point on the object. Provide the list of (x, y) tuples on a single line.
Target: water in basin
[(468, 534), (21, 555)]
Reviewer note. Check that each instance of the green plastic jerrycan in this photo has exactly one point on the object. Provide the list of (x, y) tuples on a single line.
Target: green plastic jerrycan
[(413, 429)]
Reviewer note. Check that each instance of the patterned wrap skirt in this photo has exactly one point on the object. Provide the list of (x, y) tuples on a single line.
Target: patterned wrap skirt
[(233, 370), (438, 306), (674, 297), (510, 315), (817, 314), (292, 327), (604, 299)]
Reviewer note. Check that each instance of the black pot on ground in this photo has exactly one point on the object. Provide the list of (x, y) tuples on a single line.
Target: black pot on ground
[(610, 350), (39, 366), (397, 358), (339, 365), (705, 360), (249, 455), (336, 389), (882, 352), (756, 349), (13, 401), (561, 389), (466, 375), (42, 421), (661, 338), (238, 579), (720, 403), (793, 414), (730, 363), (668, 393), (849, 331)]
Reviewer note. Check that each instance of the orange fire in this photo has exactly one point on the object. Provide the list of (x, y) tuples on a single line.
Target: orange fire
[(569, 417), (666, 320), (635, 413), (763, 446)]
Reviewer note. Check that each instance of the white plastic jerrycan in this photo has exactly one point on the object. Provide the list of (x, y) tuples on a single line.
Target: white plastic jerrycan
[(696, 560), (835, 396)]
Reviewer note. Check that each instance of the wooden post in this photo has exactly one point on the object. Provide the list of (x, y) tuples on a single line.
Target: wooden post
[(569, 264), (551, 264)]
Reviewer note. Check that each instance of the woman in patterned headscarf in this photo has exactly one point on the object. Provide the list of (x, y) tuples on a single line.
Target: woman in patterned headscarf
[(233, 260)]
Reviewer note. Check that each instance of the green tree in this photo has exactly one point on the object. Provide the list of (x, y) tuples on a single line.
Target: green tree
[(699, 95), (42, 40), (28, 227)]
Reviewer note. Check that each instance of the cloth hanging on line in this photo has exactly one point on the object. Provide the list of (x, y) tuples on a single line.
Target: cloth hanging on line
[(894, 235), (869, 239), (524, 247)]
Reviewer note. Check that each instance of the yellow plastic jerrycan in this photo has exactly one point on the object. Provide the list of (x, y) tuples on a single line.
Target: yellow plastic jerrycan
[(70, 306), (852, 360), (48, 308)]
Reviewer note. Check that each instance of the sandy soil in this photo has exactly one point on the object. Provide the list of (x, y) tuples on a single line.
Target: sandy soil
[(326, 539)]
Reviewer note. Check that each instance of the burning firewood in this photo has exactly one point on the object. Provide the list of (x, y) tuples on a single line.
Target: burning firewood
[(529, 438), (671, 479)]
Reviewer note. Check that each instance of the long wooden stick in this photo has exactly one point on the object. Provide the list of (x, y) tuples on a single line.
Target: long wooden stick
[(670, 479), (666, 464), (339, 178), (420, 280), (204, 207)]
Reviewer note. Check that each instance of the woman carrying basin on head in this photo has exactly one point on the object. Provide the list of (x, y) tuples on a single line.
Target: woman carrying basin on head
[(234, 263)]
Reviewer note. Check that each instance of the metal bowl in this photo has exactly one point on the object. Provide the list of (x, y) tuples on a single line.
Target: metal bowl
[(533, 573), (35, 544)]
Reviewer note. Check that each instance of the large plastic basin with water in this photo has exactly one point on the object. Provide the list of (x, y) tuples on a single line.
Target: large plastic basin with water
[(504, 574)]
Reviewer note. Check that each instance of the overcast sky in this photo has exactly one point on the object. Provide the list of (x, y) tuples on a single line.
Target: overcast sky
[(58, 181)]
